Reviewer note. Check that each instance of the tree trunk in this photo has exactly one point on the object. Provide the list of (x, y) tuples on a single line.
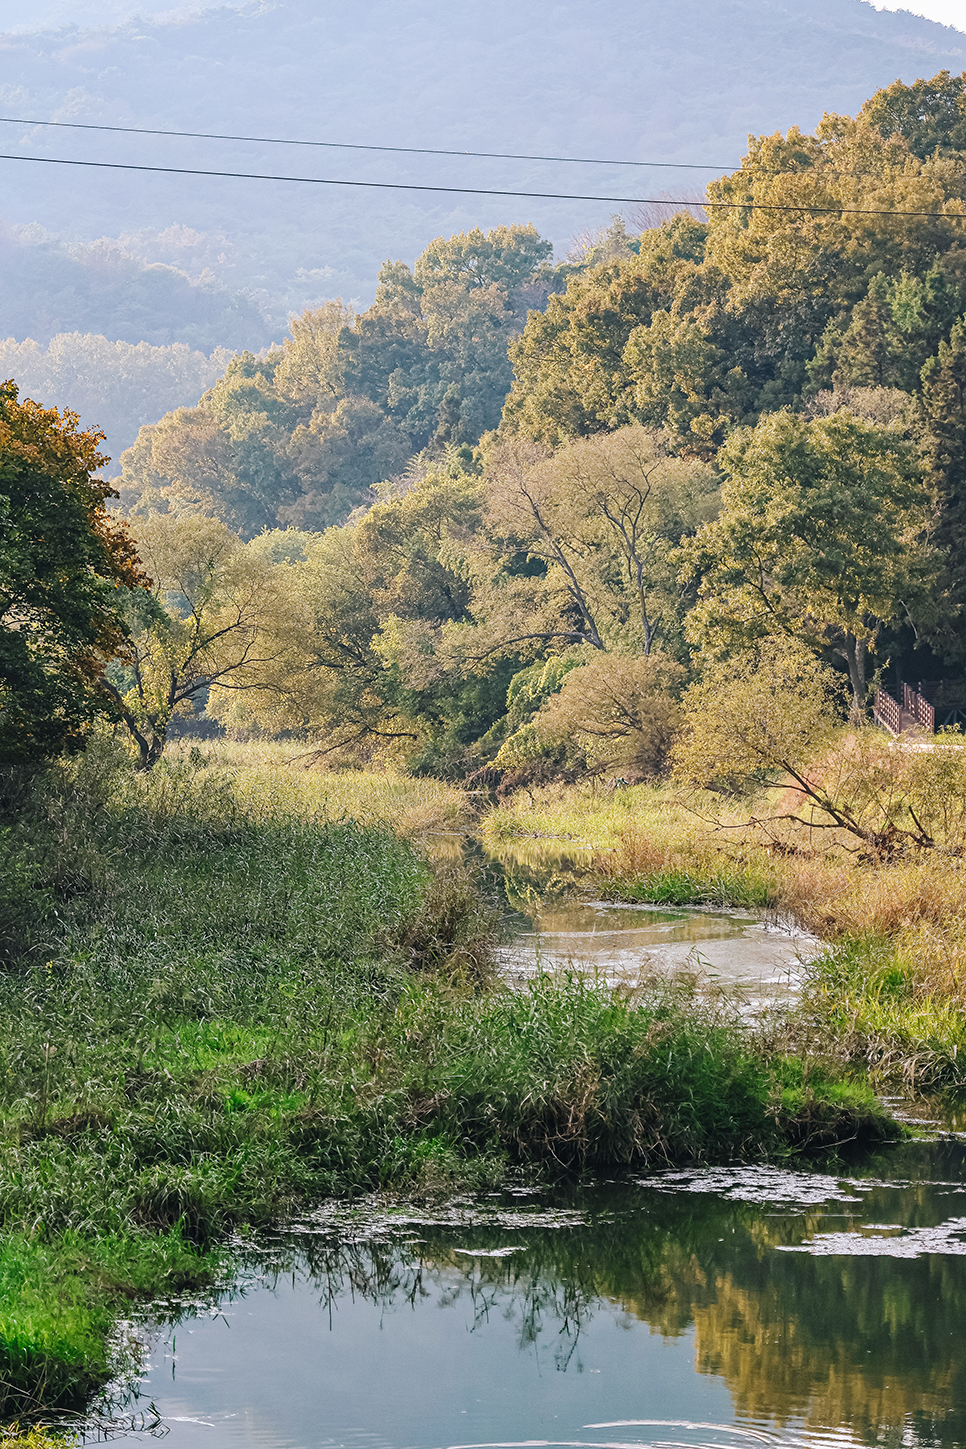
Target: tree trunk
[(854, 652)]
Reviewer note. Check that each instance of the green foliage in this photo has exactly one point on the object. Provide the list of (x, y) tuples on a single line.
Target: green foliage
[(943, 435), (570, 379), (728, 885), (205, 625), (62, 565), (302, 435), (862, 996), (623, 711), (59, 1303), (403, 629), (232, 1009), (822, 536), (708, 328), (929, 115), (763, 717), (804, 342)]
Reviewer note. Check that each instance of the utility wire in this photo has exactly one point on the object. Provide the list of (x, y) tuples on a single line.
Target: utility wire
[(352, 146), (414, 150), (490, 191)]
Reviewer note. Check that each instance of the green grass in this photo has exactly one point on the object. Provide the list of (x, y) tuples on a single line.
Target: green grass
[(715, 885), (220, 1007), (58, 1307), (634, 843), (866, 1000)]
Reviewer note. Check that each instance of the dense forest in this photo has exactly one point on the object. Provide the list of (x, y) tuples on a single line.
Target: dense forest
[(119, 383), (504, 516)]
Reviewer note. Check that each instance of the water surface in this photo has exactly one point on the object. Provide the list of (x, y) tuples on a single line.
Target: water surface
[(553, 925), (739, 950), (726, 1307)]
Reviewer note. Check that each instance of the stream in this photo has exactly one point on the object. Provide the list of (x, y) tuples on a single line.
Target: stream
[(722, 1307), (554, 926)]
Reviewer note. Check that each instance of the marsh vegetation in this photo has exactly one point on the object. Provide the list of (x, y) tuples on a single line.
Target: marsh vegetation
[(246, 964), (232, 992)]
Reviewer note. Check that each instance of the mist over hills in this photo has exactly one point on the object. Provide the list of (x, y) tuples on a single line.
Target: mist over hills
[(209, 262), (634, 79)]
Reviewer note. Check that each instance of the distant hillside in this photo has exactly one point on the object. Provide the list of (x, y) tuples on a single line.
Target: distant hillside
[(48, 287), (623, 78), (112, 385)]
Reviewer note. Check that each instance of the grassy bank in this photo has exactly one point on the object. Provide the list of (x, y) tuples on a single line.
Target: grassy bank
[(230, 993), (889, 994), (637, 843)]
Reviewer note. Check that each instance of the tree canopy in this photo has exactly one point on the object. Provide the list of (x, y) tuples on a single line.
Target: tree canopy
[(66, 568), (299, 436), (505, 515), (822, 536)]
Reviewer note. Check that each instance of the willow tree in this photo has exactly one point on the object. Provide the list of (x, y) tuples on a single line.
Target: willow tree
[(577, 545), (209, 622)]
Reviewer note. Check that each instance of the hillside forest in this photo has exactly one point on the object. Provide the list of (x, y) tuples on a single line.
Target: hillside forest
[(94, 258), (506, 518)]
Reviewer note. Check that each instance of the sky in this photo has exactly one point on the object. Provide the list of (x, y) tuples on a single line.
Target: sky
[(111, 12), (947, 12)]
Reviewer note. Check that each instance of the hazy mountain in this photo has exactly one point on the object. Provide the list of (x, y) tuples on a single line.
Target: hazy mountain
[(48, 286), (636, 79), (200, 262)]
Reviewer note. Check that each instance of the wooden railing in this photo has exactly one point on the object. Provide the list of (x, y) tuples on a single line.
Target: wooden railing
[(919, 707), (887, 712), (915, 711)]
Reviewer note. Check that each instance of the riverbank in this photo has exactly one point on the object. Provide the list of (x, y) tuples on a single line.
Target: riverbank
[(233, 992), (888, 995)]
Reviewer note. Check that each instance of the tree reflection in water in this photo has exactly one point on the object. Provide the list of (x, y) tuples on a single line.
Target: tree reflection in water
[(868, 1343)]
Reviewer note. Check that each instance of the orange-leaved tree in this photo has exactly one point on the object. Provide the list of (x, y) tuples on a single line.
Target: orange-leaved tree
[(66, 569)]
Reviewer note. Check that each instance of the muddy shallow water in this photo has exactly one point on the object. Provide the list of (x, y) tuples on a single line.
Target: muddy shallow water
[(552, 924), (724, 1307), (737, 949)]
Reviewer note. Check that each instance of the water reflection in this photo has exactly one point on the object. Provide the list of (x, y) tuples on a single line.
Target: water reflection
[(668, 1311)]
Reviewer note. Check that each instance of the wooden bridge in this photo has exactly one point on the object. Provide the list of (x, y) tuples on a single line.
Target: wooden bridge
[(914, 713)]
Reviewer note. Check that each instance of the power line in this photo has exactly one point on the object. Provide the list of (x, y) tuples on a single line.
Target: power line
[(353, 146), (418, 150), (490, 191)]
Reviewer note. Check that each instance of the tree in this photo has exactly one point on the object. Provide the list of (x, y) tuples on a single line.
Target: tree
[(209, 623), (570, 378), (65, 571), (361, 659), (930, 115), (684, 382), (767, 724), (828, 258), (758, 719), (822, 537), (943, 445), (582, 540), (310, 369), (622, 709), (301, 435), (432, 350)]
